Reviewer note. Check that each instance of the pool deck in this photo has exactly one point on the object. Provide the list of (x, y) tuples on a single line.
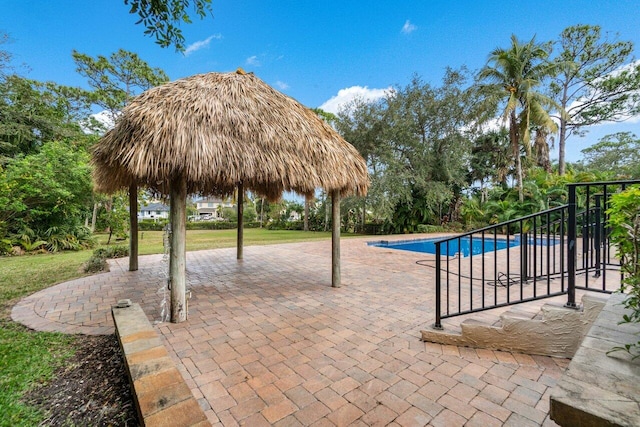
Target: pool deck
[(269, 342)]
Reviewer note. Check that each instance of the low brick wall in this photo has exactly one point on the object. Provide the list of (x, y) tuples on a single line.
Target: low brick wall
[(161, 395)]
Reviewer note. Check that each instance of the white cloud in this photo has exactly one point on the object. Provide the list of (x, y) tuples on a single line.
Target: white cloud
[(253, 60), (347, 95), (201, 44), (98, 123), (408, 27), (282, 85)]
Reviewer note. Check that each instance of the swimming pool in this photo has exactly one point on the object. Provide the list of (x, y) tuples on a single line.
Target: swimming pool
[(464, 245)]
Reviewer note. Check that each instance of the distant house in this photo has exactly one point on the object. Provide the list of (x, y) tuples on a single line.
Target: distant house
[(212, 207), (154, 211), (295, 216)]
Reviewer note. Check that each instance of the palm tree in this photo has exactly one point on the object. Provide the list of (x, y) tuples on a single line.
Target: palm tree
[(511, 78)]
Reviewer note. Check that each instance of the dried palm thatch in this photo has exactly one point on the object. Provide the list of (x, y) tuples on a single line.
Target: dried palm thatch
[(216, 130)]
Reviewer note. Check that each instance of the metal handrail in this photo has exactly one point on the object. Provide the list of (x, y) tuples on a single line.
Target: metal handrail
[(562, 265)]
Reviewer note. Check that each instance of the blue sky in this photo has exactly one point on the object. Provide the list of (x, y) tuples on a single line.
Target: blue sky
[(310, 50)]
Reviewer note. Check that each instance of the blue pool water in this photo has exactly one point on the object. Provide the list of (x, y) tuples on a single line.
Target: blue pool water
[(463, 245)]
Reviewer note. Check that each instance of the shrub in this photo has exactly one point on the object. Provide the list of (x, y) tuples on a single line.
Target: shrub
[(95, 265), (286, 225), (98, 261), (624, 222), (428, 228), (146, 225)]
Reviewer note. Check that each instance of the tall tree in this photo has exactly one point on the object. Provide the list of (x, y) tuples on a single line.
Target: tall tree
[(361, 123), (512, 78), (598, 81), (33, 113), (5, 55), (490, 160), (416, 144), (162, 18), (116, 79), (618, 153)]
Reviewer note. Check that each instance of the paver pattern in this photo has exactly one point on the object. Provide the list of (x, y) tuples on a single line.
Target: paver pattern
[(269, 342)]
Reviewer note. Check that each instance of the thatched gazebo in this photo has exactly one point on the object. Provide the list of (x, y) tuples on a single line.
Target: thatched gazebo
[(212, 133)]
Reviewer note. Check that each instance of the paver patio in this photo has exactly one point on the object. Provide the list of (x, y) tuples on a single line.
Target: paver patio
[(269, 342)]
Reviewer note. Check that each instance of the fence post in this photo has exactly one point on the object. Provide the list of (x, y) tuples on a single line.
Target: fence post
[(438, 323), (598, 234), (571, 249)]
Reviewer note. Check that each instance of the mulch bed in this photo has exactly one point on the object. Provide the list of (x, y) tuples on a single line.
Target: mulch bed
[(92, 389)]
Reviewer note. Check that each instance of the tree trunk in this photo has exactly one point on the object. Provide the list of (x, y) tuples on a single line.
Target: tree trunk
[(240, 243), (94, 217), (515, 146), (178, 254), (542, 150), (133, 227), (562, 140), (335, 239), (307, 201)]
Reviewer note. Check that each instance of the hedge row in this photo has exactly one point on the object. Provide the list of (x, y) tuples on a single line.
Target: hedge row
[(199, 225)]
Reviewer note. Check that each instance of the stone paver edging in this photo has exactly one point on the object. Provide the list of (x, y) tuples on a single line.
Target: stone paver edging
[(161, 395)]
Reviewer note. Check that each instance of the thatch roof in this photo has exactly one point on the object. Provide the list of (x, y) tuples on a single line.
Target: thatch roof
[(219, 129)]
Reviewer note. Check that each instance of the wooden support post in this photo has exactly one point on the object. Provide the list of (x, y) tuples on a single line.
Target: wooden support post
[(335, 239), (240, 243), (133, 227), (307, 201), (178, 254)]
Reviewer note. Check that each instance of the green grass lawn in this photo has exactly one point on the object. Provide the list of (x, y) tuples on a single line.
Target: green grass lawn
[(29, 358)]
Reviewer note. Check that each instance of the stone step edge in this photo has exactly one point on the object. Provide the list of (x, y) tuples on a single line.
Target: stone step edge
[(556, 332), (161, 395)]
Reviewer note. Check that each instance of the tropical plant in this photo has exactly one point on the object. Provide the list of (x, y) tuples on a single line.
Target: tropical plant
[(490, 160), (624, 223), (46, 192), (512, 78)]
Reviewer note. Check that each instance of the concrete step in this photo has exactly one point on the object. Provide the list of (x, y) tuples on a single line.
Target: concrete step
[(553, 330)]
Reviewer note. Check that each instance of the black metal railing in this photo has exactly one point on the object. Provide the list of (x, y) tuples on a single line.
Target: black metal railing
[(534, 257), (508, 263), (588, 237)]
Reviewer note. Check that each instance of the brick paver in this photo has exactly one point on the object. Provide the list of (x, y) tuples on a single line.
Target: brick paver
[(269, 342)]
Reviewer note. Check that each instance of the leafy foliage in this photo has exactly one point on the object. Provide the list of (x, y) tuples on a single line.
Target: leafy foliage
[(98, 261), (162, 18), (513, 78), (416, 143), (116, 79), (33, 113), (624, 222), (47, 193), (618, 153), (490, 158)]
